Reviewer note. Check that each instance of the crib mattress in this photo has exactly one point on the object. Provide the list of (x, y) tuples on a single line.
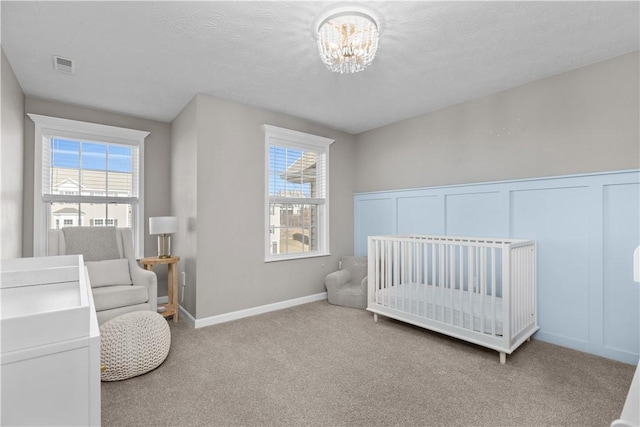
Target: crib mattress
[(450, 306)]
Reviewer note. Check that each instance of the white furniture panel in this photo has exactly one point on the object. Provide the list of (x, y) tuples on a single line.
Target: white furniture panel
[(50, 343), (586, 226)]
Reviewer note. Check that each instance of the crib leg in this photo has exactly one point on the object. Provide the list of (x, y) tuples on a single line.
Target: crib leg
[(375, 317), (503, 358)]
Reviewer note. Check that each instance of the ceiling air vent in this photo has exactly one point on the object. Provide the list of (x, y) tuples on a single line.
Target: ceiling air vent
[(64, 65)]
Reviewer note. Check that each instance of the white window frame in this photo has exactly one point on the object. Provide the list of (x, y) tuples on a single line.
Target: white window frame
[(303, 141), (45, 125)]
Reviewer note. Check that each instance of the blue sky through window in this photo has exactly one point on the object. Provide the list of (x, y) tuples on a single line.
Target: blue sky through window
[(280, 159), (66, 153)]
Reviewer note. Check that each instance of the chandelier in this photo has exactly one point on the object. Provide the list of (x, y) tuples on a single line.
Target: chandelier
[(347, 40)]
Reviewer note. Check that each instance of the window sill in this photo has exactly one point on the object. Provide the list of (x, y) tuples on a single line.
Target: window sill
[(289, 257)]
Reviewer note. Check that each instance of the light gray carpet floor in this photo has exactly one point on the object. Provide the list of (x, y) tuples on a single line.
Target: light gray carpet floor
[(322, 365)]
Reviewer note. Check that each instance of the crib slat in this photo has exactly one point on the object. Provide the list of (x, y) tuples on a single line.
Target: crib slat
[(493, 291), (425, 254), (380, 270), (387, 280), (396, 270), (450, 283), (387, 246), (519, 290), (403, 272), (471, 271), (434, 282), (416, 276), (514, 295), (440, 278), (506, 294), (373, 275), (380, 266), (474, 287), (399, 287), (390, 271), (514, 287), (483, 284), (525, 286), (461, 282), (406, 280)]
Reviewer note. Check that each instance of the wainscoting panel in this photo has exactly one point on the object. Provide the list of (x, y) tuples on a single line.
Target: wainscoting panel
[(422, 215), (375, 216), (621, 302), (559, 221), (488, 218), (586, 226)]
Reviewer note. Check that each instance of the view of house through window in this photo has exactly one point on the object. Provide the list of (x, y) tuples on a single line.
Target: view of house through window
[(297, 197), (86, 182)]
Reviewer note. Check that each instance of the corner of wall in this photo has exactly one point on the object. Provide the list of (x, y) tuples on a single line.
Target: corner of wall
[(12, 162), (183, 191)]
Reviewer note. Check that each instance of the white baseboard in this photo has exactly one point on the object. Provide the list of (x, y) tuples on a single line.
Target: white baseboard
[(185, 315), (235, 315)]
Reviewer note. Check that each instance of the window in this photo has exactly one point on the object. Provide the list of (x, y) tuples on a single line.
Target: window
[(297, 194), (87, 174), (101, 222)]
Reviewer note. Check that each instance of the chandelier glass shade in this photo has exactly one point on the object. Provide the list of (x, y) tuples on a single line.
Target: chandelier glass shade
[(347, 41)]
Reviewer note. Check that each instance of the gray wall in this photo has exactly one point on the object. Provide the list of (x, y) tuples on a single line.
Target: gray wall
[(11, 163), (231, 272), (584, 120), (184, 193), (157, 166)]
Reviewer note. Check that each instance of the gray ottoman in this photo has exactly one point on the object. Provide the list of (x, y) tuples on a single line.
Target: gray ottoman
[(133, 344)]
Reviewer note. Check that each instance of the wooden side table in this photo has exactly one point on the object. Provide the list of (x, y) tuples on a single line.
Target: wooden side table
[(171, 308)]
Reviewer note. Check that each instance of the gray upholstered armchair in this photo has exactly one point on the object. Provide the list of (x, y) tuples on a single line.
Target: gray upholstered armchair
[(119, 285), (348, 285)]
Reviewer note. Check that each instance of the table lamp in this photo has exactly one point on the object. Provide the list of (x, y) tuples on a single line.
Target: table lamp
[(163, 226)]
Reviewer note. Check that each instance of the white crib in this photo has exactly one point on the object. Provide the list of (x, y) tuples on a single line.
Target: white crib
[(476, 289)]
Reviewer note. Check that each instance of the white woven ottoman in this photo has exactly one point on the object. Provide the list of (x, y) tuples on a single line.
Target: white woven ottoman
[(133, 344)]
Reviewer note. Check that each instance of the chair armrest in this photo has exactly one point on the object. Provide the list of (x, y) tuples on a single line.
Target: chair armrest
[(337, 279), (142, 277), (364, 285)]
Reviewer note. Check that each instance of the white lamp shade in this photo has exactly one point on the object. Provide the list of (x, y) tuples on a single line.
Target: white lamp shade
[(163, 225)]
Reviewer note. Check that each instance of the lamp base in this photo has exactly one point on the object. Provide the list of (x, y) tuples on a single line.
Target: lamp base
[(164, 246)]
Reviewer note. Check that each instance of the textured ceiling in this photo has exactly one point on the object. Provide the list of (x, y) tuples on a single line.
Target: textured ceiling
[(148, 59)]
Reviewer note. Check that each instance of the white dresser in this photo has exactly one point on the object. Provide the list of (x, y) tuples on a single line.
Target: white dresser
[(49, 343)]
